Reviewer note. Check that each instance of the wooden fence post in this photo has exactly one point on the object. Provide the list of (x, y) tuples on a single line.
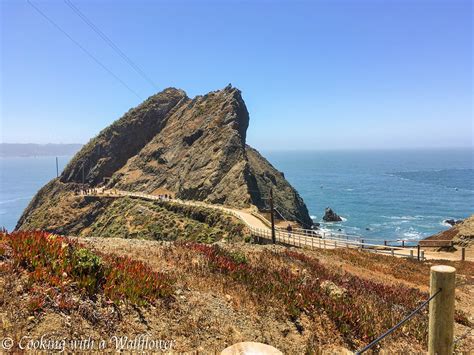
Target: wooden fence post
[(463, 254), (441, 311), (418, 252)]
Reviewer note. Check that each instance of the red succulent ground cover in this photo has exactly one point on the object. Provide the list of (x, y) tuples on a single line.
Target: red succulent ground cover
[(62, 265), (365, 310)]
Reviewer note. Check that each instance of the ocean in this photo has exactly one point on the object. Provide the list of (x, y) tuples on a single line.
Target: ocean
[(381, 195)]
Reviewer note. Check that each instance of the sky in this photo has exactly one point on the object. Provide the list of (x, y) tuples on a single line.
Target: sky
[(332, 74)]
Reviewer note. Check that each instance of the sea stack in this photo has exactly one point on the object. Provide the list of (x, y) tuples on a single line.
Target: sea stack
[(331, 216), (192, 149)]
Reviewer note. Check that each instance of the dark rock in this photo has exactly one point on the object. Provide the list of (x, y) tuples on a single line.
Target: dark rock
[(453, 222), (331, 216)]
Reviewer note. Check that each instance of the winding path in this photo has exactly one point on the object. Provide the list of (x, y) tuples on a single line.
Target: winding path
[(260, 228)]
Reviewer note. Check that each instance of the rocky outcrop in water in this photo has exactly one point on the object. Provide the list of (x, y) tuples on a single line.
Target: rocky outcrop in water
[(331, 216), (452, 222), (188, 148)]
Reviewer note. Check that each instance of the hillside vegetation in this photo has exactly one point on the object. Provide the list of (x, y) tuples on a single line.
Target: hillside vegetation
[(208, 296)]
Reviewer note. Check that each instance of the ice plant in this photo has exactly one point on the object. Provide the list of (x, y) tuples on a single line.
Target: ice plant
[(59, 262)]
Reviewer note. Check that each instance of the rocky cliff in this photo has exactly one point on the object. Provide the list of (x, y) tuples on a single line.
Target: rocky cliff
[(189, 148), (461, 233)]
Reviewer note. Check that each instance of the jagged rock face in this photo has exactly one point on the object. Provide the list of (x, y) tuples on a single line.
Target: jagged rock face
[(264, 176), (111, 149), (199, 154), (191, 148)]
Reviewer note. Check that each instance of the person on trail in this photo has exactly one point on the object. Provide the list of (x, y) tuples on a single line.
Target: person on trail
[(289, 229)]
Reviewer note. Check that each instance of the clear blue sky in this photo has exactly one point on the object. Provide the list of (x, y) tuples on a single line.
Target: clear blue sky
[(314, 74)]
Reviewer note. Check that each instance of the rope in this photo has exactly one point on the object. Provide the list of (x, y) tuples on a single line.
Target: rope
[(398, 325)]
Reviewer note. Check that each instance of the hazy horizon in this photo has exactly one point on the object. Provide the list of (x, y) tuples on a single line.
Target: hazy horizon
[(289, 149), (314, 75)]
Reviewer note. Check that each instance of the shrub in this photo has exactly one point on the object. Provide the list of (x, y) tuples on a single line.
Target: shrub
[(87, 269)]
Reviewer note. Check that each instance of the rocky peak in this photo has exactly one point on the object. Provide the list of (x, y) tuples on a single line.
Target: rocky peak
[(188, 148)]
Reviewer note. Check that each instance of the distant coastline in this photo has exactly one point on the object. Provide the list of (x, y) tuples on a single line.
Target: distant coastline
[(10, 150)]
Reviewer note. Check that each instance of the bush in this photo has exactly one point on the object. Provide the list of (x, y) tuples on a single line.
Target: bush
[(87, 269)]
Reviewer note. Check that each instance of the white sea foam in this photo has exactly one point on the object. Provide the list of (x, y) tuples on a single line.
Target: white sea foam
[(412, 234), (405, 218)]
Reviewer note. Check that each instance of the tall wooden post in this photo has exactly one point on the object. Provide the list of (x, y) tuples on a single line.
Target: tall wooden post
[(272, 217), (441, 312)]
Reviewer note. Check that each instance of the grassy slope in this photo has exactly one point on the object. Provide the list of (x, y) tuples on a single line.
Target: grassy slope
[(77, 215), (245, 292)]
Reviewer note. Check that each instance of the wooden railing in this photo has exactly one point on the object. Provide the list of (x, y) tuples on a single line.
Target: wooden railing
[(302, 238)]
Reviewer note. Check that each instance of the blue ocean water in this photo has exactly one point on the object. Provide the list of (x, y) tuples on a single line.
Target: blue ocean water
[(396, 194), (403, 194), (20, 179)]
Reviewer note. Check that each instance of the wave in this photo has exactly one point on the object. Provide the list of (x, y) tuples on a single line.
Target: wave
[(413, 235), (404, 218)]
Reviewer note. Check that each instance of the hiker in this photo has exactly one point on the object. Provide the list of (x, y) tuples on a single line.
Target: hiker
[(289, 229)]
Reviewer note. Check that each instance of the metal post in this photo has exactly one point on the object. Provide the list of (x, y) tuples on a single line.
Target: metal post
[(418, 252), (441, 311), (403, 244), (272, 217), (463, 254)]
